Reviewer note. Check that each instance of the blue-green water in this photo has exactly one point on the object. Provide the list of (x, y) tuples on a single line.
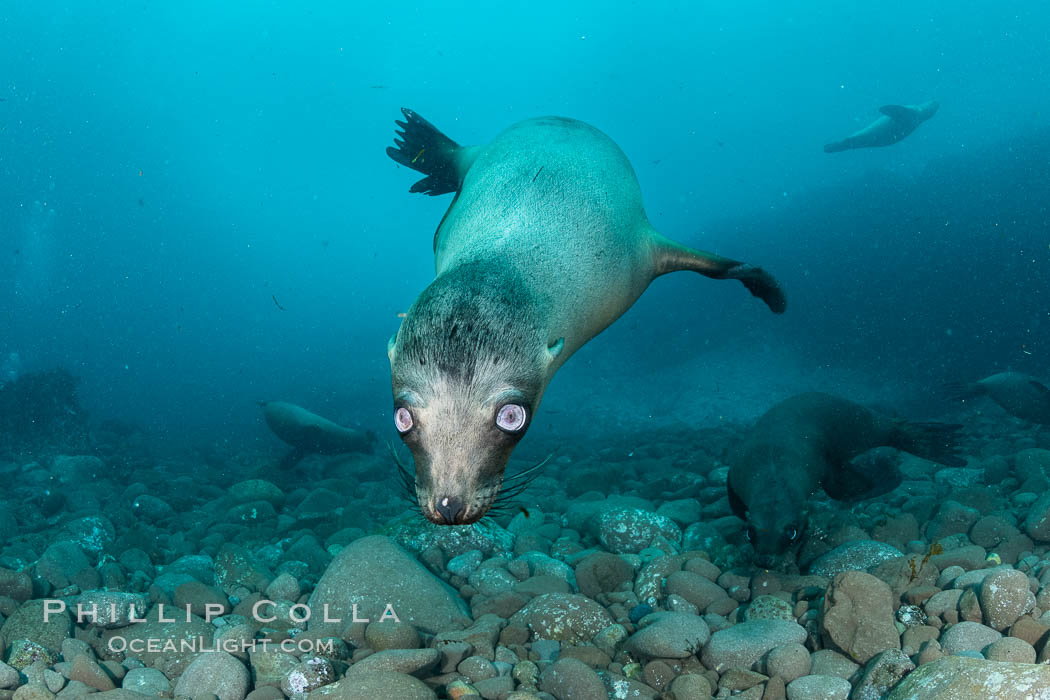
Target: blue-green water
[(167, 170)]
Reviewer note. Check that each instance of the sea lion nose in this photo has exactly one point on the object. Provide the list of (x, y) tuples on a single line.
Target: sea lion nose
[(766, 561), (451, 509)]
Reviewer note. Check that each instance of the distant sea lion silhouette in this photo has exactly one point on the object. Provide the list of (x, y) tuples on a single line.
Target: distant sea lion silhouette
[(309, 433), (545, 244), (1020, 395), (896, 122), (807, 442)]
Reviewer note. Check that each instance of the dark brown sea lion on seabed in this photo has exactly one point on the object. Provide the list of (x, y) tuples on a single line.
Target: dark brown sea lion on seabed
[(1019, 395), (309, 433), (545, 244), (807, 442)]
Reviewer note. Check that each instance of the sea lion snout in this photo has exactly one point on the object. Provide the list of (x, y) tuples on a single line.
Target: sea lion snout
[(773, 538), (458, 490), (451, 509), (460, 443)]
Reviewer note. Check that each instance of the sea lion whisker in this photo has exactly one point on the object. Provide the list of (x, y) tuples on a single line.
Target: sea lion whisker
[(407, 481), (530, 473), (509, 494)]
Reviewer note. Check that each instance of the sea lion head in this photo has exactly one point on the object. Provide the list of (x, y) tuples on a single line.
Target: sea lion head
[(775, 526), (928, 109), (468, 366)]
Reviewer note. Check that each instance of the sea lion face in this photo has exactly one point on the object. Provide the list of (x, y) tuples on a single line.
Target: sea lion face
[(461, 437), (774, 533), (928, 109), (468, 366)]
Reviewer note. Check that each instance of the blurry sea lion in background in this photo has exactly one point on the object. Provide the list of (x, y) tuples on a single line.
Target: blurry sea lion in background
[(896, 122), (309, 433), (545, 244), (807, 442), (1020, 395)]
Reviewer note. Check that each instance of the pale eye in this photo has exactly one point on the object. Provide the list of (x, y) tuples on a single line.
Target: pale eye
[(792, 534), (511, 418), (403, 419)]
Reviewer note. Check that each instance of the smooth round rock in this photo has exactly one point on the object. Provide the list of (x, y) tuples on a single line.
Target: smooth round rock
[(1004, 596), (669, 635), (967, 636), (819, 688), (741, 645), (214, 673), (789, 662), (571, 678)]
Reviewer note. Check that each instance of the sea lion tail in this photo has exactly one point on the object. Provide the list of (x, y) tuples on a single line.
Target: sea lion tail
[(837, 146), (937, 442), (422, 147)]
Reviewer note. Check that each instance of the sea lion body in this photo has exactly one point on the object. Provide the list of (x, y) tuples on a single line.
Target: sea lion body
[(309, 433), (545, 244), (896, 122), (521, 194), (808, 442), (1020, 395)]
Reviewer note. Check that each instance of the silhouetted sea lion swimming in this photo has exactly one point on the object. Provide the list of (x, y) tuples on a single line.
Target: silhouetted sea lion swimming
[(545, 244), (807, 442), (309, 433), (896, 122), (1020, 395)]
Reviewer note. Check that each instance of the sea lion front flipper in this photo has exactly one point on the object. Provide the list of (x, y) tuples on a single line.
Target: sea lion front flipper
[(422, 147), (837, 146), (897, 112), (868, 475), (291, 459), (671, 257), (736, 503)]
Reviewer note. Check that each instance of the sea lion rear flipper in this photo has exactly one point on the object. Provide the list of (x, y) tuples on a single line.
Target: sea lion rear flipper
[(1041, 388), (937, 442), (422, 147), (837, 146), (671, 257), (868, 475), (291, 459), (897, 112)]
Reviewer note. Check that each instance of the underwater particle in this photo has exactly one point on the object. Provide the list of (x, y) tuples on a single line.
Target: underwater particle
[(639, 611), (274, 297)]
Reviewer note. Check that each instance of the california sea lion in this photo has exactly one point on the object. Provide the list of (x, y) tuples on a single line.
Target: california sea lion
[(309, 433), (896, 122), (544, 245), (806, 442), (1020, 395)]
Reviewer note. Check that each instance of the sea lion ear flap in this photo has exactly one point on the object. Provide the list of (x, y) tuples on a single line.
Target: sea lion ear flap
[(555, 348)]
